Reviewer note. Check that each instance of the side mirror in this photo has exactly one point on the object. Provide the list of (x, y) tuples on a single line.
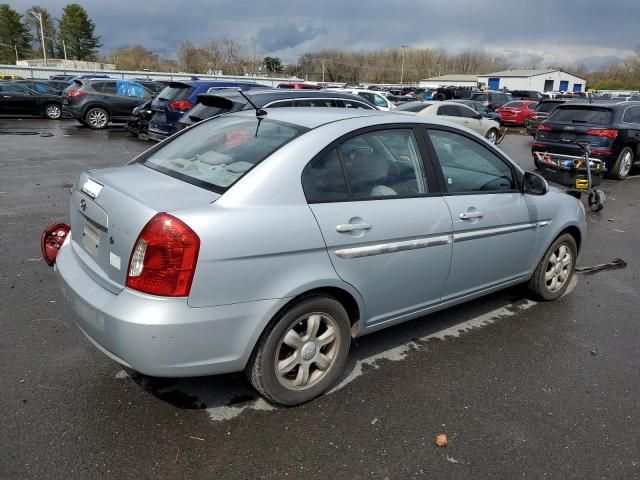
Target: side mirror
[(534, 184), (479, 116)]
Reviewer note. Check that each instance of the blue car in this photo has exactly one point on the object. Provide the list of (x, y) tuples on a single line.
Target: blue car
[(177, 98)]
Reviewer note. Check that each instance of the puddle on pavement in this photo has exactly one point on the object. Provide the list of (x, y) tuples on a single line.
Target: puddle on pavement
[(225, 397)]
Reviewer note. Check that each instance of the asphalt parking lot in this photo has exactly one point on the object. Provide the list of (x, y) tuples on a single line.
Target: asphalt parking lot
[(521, 389)]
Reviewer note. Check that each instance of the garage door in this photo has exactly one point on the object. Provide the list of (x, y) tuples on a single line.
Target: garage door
[(577, 87), (564, 85), (494, 84)]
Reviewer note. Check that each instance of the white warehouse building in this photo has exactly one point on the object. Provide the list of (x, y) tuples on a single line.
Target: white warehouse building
[(538, 80), (450, 81)]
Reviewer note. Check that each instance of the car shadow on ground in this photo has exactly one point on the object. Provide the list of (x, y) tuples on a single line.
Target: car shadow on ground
[(227, 395)]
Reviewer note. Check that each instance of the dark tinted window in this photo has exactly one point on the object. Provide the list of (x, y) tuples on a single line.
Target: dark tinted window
[(468, 166), (597, 115), (353, 104), (467, 112), (200, 112), (450, 110), (108, 88), (632, 115), (412, 107), (513, 104), (547, 107), (280, 103), (44, 88), (314, 102), (175, 92), (12, 88), (324, 181), (479, 97)]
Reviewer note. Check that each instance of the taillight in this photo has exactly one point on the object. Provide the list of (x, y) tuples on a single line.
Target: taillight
[(76, 94), (179, 105), (611, 133), (544, 128), (164, 258)]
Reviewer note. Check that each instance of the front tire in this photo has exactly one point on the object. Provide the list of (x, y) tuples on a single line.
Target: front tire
[(554, 272), (302, 352), (96, 118), (492, 135), (52, 111), (623, 164)]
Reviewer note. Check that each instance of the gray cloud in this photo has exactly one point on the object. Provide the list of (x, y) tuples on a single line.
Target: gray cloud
[(286, 28), (279, 37)]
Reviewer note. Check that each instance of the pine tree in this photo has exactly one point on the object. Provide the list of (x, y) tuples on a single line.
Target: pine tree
[(77, 31), (13, 34), (48, 28)]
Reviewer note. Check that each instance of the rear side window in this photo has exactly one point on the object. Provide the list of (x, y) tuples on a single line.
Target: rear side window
[(314, 102), (353, 104), (280, 104), (513, 104), (324, 180), (449, 110), (175, 92), (547, 107), (632, 115), (217, 153), (595, 115), (108, 88)]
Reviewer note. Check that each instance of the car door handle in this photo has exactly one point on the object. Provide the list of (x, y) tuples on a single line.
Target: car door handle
[(6, 96), (470, 215), (352, 227)]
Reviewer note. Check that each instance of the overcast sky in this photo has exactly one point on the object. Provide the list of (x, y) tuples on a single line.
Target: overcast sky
[(593, 32)]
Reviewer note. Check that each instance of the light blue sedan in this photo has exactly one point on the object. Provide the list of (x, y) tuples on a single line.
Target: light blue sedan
[(266, 241)]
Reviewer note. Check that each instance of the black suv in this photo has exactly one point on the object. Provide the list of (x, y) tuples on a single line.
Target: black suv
[(542, 111), (96, 102), (613, 129), (526, 95), (230, 100), (491, 99)]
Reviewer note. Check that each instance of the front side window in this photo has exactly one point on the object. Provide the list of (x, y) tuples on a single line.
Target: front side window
[(217, 153), (469, 167), (352, 104), (467, 112), (12, 88)]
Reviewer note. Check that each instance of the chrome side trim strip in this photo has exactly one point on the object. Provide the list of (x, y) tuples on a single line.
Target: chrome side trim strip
[(383, 248), (491, 232)]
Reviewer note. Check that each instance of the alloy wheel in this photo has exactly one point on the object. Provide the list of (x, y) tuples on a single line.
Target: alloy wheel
[(625, 164), (492, 136), (53, 111), (558, 268), (97, 118), (307, 351)]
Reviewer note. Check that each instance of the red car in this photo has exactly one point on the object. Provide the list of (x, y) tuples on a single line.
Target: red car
[(516, 112)]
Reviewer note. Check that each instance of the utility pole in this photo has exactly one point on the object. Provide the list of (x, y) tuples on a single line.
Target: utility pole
[(15, 47), (38, 16), (402, 67)]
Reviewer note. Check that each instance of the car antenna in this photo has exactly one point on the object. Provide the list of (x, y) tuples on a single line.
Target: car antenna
[(259, 111)]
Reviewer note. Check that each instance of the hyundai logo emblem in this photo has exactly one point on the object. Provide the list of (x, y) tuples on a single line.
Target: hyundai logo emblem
[(83, 205)]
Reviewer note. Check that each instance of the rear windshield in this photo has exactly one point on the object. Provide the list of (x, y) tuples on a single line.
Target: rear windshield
[(201, 111), (175, 92), (513, 104), (217, 153), (597, 115), (481, 97), (412, 107), (547, 107)]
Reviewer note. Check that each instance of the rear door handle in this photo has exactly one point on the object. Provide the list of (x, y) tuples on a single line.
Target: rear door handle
[(470, 215), (352, 227)]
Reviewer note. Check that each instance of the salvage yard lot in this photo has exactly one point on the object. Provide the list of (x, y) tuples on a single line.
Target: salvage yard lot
[(521, 389)]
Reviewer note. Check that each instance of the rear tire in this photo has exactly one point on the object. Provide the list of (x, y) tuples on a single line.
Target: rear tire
[(96, 118), (623, 164), (555, 271), (302, 351), (52, 111)]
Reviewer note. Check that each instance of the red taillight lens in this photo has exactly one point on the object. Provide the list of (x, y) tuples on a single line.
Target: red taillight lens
[(544, 128), (603, 132), (76, 94), (180, 105), (164, 258)]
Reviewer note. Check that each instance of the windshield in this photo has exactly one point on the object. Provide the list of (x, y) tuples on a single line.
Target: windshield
[(547, 107), (600, 116), (216, 154)]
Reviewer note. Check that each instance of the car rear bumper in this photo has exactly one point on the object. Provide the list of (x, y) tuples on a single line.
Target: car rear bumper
[(161, 336), (572, 149), (157, 135), (70, 112)]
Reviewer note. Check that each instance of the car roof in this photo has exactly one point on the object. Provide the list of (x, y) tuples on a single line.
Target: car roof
[(277, 93), (311, 117)]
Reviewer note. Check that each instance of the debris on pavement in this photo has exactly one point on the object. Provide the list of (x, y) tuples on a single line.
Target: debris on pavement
[(615, 263), (441, 440)]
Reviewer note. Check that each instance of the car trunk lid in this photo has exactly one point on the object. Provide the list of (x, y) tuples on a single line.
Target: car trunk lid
[(109, 209), (569, 124)]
